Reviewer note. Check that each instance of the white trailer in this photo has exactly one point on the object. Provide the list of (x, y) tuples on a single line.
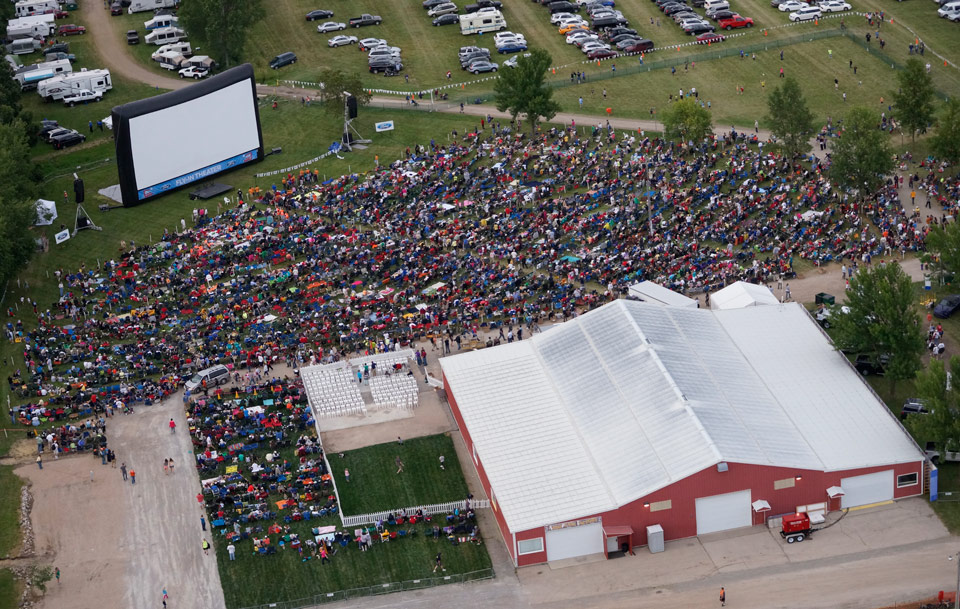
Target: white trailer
[(25, 8), (482, 22), (58, 87), (31, 27), (29, 76), (139, 6), (164, 35), (161, 21), (182, 47), (171, 60), (24, 46)]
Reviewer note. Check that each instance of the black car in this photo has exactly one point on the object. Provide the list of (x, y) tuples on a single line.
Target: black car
[(283, 59), (385, 64), (448, 19), (479, 4), (616, 31), (428, 4), (465, 60), (871, 365), (621, 37), (60, 47), (319, 14), (46, 126), (947, 307), (133, 37), (70, 138), (726, 14), (116, 9), (563, 7), (913, 406), (640, 46), (671, 9), (699, 28), (608, 22)]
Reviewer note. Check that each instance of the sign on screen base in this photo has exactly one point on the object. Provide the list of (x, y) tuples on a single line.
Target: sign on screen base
[(384, 126), (62, 236)]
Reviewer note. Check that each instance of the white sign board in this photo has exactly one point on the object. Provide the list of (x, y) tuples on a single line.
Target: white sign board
[(384, 126), (62, 236)]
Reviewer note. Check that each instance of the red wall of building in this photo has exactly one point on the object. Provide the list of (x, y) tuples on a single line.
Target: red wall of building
[(484, 481), (681, 520)]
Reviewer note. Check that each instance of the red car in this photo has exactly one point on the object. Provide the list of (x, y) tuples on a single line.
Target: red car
[(61, 15), (601, 54), (709, 38), (69, 30), (734, 22)]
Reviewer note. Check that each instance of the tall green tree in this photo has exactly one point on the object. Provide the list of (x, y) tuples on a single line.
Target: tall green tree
[(913, 99), (944, 241), (18, 174), (862, 156), (16, 240), (687, 120), (942, 401), (946, 140), (790, 118), (336, 85), (221, 26), (882, 320), (524, 90)]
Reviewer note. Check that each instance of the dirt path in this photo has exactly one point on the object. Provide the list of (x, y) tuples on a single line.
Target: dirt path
[(125, 543)]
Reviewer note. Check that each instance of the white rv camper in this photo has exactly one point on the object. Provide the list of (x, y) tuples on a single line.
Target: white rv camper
[(482, 22), (164, 35), (138, 6), (57, 88)]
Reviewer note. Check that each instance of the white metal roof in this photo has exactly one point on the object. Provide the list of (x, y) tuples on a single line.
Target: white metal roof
[(629, 398), (742, 294), (655, 293)]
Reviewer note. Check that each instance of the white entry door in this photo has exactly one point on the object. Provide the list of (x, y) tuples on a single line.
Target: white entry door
[(575, 541), (866, 489), (723, 512)]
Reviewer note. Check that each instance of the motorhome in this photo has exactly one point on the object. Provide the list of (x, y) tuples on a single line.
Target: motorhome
[(182, 47), (58, 87), (164, 35), (24, 46), (139, 6), (28, 76), (31, 27), (25, 8), (161, 21), (482, 22)]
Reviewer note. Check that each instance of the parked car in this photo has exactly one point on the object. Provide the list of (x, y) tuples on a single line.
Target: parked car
[(385, 64), (870, 365), (561, 6), (319, 14), (283, 59), (46, 127), (116, 9), (339, 41), (913, 406), (82, 96), (479, 4), (572, 37), (331, 26), (364, 20), (60, 47), (515, 46), (384, 51), (71, 30), (512, 62), (723, 14), (697, 27), (947, 307), (133, 37), (70, 138), (735, 22), (53, 134), (428, 4), (366, 44), (601, 54), (709, 38), (466, 52), (447, 8), (834, 6), (482, 66), (195, 72), (448, 19), (501, 37), (806, 14), (467, 60), (639, 46), (951, 13)]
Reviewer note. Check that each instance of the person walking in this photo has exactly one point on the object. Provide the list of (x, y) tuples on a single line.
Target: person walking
[(232, 551), (133, 477), (203, 523), (166, 467), (173, 426), (57, 574), (123, 471), (723, 597), (40, 461), (397, 460), (206, 547), (438, 562), (324, 555)]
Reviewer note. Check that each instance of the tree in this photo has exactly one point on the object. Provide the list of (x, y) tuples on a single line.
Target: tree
[(861, 155), (882, 321), (941, 424), (944, 241), (220, 26), (791, 119), (523, 90), (336, 85), (946, 141), (687, 120), (913, 100), (16, 240), (17, 172)]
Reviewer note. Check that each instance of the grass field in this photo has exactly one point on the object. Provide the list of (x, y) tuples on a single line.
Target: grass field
[(9, 510), (375, 485), (9, 590)]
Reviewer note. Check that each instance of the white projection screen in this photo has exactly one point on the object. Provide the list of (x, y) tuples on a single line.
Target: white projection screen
[(187, 136)]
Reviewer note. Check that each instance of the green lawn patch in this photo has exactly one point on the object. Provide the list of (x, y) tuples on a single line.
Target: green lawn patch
[(376, 486), (9, 510), (9, 590)]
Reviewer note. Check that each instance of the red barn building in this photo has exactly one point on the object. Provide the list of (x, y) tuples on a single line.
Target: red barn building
[(636, 415)]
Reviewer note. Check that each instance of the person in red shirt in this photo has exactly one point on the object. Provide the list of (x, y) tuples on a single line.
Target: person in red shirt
[(173, 426)]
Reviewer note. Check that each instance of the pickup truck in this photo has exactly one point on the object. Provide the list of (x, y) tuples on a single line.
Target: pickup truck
[(83, 96), (473, 8), (735, 22), (365, 20)]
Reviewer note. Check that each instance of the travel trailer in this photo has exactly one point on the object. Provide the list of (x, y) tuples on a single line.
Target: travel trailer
[(138, 6), (164, 35), (482, 22), (55, 89)]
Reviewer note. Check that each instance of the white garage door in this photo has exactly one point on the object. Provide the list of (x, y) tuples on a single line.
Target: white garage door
[(723, 512), (575, 541), (866, 489)]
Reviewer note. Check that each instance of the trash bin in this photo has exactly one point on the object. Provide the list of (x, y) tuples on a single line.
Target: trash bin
[(824, 298)]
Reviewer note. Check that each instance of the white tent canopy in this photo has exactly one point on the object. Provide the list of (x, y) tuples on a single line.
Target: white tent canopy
[(742, 294), (648, 291), (46, 212)]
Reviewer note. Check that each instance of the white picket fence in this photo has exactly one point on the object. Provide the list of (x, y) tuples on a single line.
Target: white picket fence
[(434, 508)]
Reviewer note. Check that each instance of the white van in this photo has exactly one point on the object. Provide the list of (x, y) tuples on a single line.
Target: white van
[(214, 375), (164, 35), (716, 5), (482, 22)]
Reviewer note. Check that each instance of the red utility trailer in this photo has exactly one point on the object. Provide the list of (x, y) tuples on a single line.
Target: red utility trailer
[(796, 527)]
